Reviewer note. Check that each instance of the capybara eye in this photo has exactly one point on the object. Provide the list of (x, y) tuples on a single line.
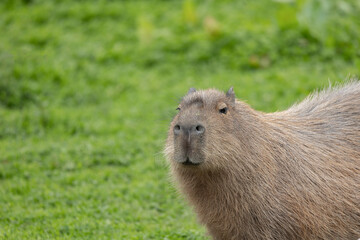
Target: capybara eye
[(178, 109), (223, 110)]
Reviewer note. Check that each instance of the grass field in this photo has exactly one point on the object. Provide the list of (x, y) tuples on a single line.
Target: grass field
[(88, 88)]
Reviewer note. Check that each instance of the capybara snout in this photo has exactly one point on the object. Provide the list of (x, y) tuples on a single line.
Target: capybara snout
[(189, 141)]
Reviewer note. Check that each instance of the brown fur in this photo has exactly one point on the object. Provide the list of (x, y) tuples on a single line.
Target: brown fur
[(286, 175)]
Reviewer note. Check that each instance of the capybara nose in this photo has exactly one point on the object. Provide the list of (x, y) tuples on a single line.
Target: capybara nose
[(193, 130)]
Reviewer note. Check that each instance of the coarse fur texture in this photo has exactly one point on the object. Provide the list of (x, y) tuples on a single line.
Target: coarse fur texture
[(293, 174)]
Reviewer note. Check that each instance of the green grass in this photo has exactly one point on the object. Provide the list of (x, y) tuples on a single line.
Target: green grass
[(88, 88)]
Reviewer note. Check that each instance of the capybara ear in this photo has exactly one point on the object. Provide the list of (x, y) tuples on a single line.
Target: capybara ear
[(231, 95), (191, 90)]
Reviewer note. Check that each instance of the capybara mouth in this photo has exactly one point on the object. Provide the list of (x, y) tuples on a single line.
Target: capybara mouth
[(189, 163)]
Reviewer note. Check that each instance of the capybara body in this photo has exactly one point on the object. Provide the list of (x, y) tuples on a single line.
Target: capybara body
[(285, 175)]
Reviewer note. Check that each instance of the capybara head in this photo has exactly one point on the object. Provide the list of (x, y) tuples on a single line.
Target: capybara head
[(205, 122)]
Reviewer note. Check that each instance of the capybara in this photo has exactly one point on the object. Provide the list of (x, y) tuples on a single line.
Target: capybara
[(293, 174)]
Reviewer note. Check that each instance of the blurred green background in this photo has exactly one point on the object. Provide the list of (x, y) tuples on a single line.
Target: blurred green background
[(88, 88)]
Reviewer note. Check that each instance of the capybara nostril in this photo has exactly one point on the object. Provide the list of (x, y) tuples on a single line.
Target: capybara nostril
[(199, 129), (177, 129)]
